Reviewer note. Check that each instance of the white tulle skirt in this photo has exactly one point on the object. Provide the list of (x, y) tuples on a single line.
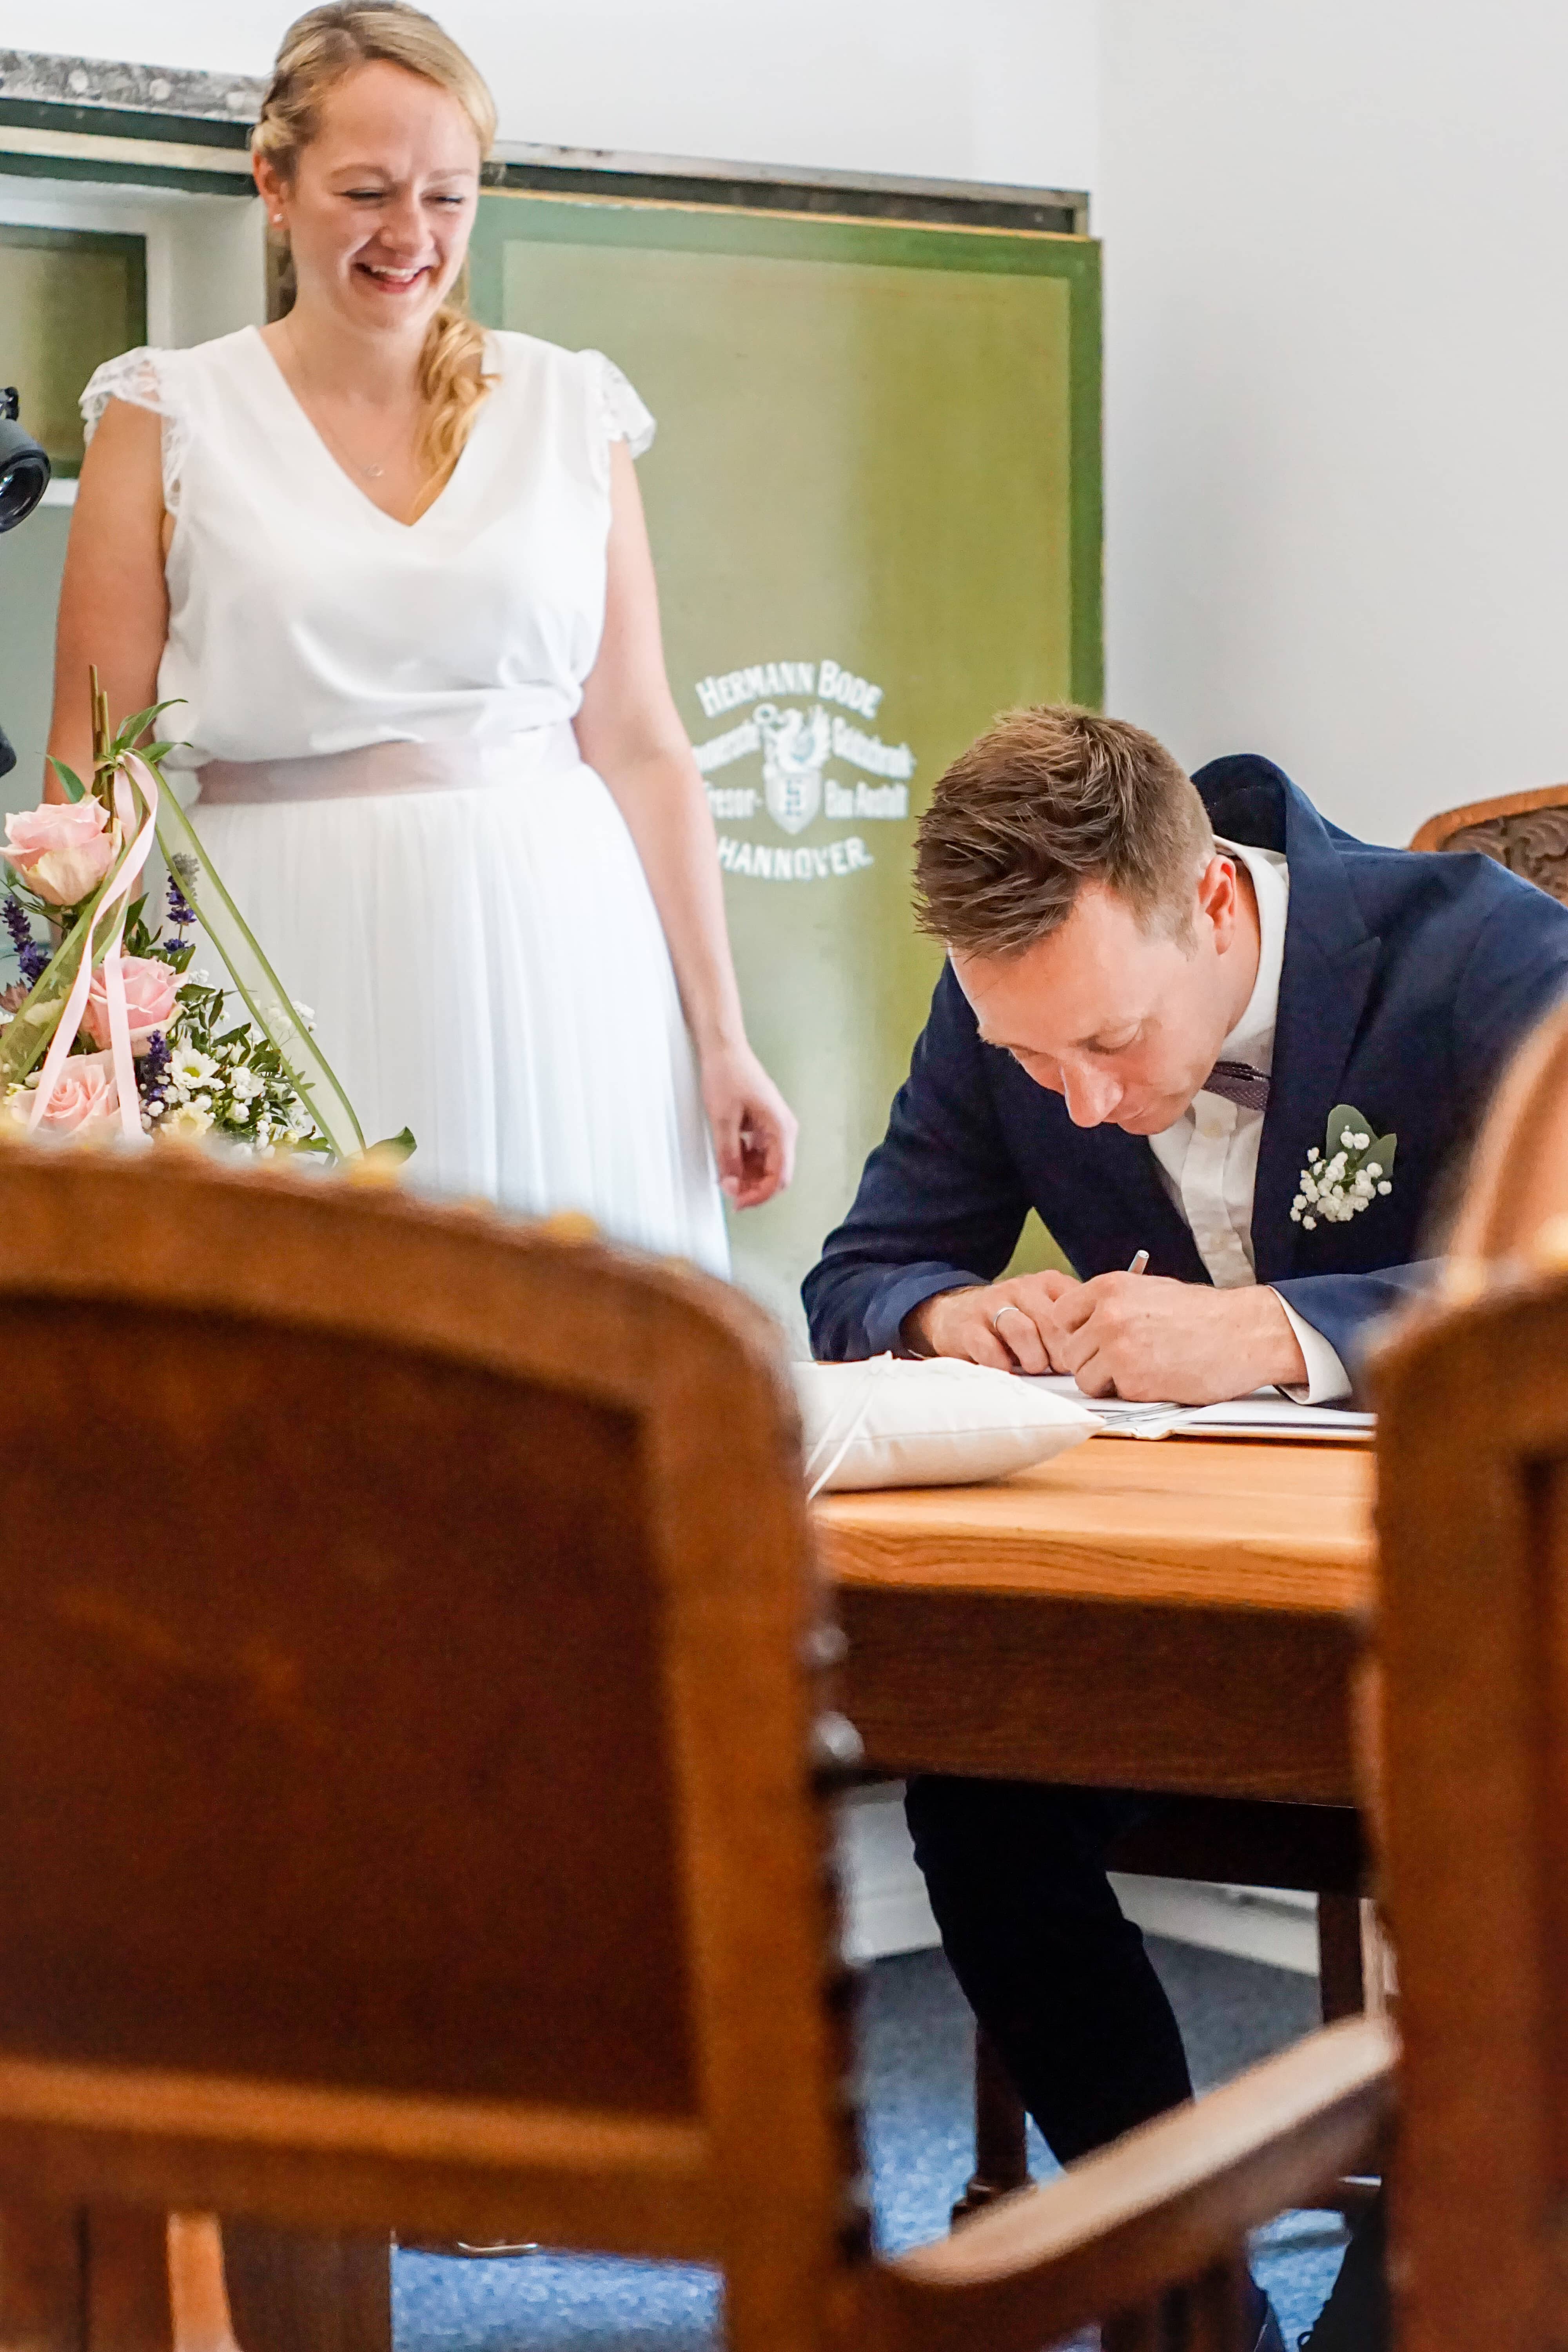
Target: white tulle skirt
[(487, 967)]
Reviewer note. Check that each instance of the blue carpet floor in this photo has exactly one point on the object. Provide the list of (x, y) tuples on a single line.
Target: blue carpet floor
[(916, 2057)]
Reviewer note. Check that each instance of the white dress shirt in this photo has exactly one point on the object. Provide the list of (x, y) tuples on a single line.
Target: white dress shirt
[(1208, 1160)]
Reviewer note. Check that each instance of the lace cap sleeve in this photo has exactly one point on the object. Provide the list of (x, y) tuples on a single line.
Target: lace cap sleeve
[(143, 378), (626, 417)]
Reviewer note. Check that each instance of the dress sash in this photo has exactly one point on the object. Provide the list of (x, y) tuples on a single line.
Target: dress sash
[(372, 770)]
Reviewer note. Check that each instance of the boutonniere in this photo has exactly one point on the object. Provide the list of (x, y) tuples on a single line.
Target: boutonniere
[(1353, 1167)]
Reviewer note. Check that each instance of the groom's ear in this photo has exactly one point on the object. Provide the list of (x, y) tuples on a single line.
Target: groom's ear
[(1218, 900)]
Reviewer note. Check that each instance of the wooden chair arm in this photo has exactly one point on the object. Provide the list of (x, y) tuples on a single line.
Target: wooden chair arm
[(1158, 2208)]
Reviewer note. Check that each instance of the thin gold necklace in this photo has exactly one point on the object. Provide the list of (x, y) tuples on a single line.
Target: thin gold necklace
[(371, 472)]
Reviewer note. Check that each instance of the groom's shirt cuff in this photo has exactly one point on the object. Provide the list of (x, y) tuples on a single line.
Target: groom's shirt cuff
[(1326, 1380)]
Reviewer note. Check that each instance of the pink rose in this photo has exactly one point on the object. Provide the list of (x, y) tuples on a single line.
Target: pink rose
[(86, 1095), (149, 1001), (60, 850)]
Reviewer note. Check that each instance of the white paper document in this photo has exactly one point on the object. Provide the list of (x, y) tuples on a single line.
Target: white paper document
[(1264, 1414)]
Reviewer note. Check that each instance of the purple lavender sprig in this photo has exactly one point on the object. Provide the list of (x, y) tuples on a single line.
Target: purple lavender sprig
[(153, 1074), (32, 960), (177, 945)]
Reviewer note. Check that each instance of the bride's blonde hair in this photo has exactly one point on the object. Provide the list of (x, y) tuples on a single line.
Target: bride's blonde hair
[(315, 54)]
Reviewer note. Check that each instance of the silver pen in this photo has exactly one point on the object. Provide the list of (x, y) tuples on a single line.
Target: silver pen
[(1139, 1264)]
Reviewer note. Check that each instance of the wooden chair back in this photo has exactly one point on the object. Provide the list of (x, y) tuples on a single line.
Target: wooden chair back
[(1472, 1396), (407, 1814), (1526, 831), (1517, 1194)]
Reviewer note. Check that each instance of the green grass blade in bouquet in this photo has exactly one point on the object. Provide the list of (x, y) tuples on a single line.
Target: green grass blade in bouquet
[(264, 995), (24, 1039)]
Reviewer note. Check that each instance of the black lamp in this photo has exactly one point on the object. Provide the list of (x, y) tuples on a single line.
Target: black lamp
[(23, 478), (23, 468)]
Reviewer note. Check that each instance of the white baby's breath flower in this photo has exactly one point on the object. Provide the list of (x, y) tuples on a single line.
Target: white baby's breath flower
[(1336, 1185)]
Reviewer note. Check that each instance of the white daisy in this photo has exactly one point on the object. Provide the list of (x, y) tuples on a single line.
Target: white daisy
[(186, 1119), (190, 1069)]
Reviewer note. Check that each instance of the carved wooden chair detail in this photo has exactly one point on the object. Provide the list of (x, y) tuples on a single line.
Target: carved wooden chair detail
[(1526, 831)]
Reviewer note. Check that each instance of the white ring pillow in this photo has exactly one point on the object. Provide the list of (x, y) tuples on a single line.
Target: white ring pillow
[(927, 1422)]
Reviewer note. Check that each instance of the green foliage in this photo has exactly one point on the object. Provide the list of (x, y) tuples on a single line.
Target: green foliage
[(227, 1078)]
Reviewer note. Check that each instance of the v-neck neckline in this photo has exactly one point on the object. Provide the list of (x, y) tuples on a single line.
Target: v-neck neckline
[(313, 432)]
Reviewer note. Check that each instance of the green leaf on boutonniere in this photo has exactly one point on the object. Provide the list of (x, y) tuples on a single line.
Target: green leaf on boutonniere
[(1344, 1118)]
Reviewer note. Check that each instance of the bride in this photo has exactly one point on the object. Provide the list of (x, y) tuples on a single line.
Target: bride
[(397, 570)]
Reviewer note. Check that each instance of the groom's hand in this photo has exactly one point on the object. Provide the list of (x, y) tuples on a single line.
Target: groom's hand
[(1145, 1338), (1011, 1326)]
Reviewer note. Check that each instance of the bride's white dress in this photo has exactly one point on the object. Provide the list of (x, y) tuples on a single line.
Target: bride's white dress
[(464, 911)]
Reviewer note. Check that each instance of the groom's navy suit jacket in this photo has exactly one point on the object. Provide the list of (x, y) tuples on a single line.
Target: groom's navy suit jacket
[(1408, 981)]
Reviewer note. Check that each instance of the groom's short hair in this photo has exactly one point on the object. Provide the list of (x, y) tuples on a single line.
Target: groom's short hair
[(1048, 799)]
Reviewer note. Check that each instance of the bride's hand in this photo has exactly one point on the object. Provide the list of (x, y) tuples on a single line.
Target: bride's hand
[(753, 1126)]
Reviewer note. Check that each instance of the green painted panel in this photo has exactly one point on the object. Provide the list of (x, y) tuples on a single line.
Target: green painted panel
[(874, 502), (70, 299), (32, 559)]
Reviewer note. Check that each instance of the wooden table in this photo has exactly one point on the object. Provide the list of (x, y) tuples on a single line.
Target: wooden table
[(1176, 1614), (1180, 1614)]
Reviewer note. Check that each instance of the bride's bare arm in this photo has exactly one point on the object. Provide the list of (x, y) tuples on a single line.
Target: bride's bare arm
[(114, 606), (629, 730)]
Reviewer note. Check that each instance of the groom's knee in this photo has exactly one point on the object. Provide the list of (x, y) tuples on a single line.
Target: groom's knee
[(1005, 1844)]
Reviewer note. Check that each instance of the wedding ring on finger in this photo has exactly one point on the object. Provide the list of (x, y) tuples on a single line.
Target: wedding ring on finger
[(1006, 1307)]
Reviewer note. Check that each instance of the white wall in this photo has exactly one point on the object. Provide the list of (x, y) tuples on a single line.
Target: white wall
[(1001, 90), (1337, 265), (205, 277), (205, 255), (1337, 352)]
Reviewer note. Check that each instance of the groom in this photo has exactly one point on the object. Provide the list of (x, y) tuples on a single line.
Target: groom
[(1156, 991)]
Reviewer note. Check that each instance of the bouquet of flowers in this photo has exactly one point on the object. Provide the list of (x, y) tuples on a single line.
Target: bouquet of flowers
[(195, 1073), (106, 1025)]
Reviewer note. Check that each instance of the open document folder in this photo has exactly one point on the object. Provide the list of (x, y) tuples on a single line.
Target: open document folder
[(1264, 1414)]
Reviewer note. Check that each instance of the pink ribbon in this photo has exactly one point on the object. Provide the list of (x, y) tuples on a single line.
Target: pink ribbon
[(115, 902)]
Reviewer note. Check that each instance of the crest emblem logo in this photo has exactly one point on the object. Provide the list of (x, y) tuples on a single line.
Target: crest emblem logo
[(795, 743), (831, 720)]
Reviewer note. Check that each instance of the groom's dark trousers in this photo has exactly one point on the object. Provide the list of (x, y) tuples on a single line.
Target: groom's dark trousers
[(1016, 1873), (1408, 981)]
